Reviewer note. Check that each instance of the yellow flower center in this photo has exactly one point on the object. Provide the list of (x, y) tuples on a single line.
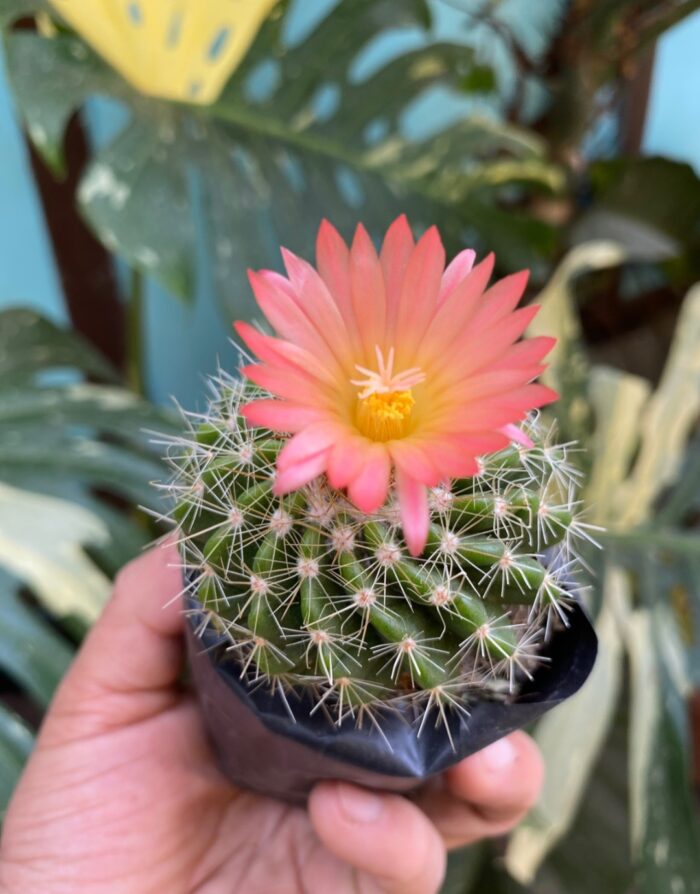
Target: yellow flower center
[(384, 416)]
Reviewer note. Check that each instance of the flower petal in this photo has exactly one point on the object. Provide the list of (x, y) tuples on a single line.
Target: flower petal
[(456, 271), (410, 456), (345, 460), (447, 328), (516, 434), (415, 514), (308, 443), (368, 490), (281, 416), (396, 252), (281, 353), (291, 384), (298, 475), (419, 295), (368, 293), (317, 303), (286, 317)]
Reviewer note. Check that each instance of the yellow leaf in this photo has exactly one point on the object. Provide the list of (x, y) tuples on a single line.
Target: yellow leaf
[(670, 416), (183, 50), (41, 540), (618, 399)]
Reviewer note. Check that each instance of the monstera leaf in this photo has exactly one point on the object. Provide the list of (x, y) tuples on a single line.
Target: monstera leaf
[(647, 590), (74, 457), (306, 128)]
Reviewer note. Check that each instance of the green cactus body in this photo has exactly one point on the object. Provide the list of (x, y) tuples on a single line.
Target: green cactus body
[(313, 594)]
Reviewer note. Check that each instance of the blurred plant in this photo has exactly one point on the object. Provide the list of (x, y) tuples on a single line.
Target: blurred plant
[(73, 461), (644, 487), (306, 121)]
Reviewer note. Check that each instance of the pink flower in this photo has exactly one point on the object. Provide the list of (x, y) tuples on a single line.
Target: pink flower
[(391, 362)]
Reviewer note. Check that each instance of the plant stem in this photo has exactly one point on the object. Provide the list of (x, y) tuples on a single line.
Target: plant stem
[(134, 333)]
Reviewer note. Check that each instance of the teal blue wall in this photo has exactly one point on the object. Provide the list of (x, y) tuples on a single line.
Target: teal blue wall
[(186, 342)]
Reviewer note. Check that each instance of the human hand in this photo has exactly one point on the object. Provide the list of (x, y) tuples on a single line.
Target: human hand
[(122, 794)]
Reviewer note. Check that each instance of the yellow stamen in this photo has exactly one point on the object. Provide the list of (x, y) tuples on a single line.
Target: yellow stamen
[(384, 417)]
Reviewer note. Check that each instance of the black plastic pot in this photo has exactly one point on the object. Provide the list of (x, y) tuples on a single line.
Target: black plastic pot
[(261, 748)]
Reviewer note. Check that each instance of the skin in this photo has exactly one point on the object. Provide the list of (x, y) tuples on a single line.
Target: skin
[(122, 793)]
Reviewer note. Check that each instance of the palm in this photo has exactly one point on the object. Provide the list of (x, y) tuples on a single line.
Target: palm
[(162, 818)]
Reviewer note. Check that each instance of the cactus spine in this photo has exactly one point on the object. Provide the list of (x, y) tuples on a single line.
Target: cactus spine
[(312, 594)]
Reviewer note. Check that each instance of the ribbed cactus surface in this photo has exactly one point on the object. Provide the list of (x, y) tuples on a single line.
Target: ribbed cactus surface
[(312, 593)]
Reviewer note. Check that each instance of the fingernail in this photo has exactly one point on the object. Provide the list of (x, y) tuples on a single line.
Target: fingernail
[(500, 755), (358, 804)]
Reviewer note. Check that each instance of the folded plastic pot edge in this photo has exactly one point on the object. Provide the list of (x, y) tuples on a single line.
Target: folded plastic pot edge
[(262, 748)]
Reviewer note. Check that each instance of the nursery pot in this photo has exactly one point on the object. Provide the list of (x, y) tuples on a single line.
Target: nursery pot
[(262, 748)]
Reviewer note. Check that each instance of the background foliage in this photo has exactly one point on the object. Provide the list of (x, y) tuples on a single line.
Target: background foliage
[(532, 155)]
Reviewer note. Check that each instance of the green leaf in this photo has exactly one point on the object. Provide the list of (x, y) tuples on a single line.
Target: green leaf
[(320, 137), (16, 742), (463, 868), (595, 856), (30, 344), (11, 10), (41, 541), (31, 652), (52, 78), (658, 191), (101, 408), (481, 79), (665, 827), (570, 738)]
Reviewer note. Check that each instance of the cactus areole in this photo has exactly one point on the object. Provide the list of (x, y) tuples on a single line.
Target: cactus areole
[(378, 532)]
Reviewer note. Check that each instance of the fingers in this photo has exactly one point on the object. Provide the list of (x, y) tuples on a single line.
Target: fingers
[(132, 655), (383, 836), (488, 793)]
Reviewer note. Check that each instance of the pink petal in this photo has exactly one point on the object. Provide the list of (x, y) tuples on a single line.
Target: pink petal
[(419, 295), (486, 346), (526, 353), (487, 383), (492, 413), (281, 353), (368, 296), (455, 455), (300, 474), (516, 434), (316, 301), (415, 515), (395, 254), (278, 415), (456, 271), (369, 489), (287, 318), (409, 455), (447, 328), (308, 443), (500, 299), (292, 385), (333, 261), (345, 460)]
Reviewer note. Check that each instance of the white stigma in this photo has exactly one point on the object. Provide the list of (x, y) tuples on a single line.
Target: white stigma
[(385, 380)]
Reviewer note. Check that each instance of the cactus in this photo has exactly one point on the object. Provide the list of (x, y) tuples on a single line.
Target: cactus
[(312, 594)]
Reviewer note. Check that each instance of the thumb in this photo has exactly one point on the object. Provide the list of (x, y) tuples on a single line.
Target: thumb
[(130, 661)]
